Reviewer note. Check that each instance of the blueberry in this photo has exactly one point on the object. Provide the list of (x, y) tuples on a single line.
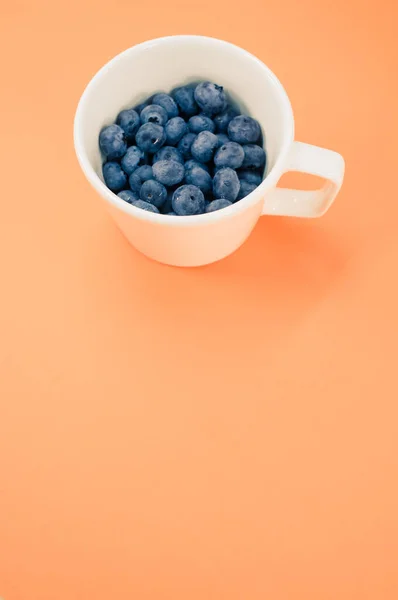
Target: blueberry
[(245, 189), (172, 213), (168, 153), (129, 121), (244, 130), (150, 137), (128, 196), (132, 159), (204, 146), (175, 129), (222, 139), (222, 120), (185, 98), (145, 206), (138, 177), (217, 204), (153, 192), (112, 142), (154, 114), (188, 200), (166, 102), (114, 176), (168, 172), (184, 145), (226, 184), (250, 177), (200, 178), (199, 123), (210, 97), (140, 107), (229, 155), (194, 163), (254, 157)]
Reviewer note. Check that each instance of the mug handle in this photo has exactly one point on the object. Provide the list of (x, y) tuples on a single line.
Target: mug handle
[(300, 203)]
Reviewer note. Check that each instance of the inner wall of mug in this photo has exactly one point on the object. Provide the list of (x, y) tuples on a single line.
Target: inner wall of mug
[(161, 65)]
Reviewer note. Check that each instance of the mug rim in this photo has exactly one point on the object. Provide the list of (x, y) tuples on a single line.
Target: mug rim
[(205, 218)]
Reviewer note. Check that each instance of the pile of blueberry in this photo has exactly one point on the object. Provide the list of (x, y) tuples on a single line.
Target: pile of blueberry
[(186, 153)]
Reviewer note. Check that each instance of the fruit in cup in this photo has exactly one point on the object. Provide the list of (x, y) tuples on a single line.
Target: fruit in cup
[(131, 159), (226, 184), (200, 177), (185, 99), (254, 156), (188, 200), (243, 130), (112, 141), (210, 97), (217, 204), (199, 123), (185, 144), (250, 176), (145, 206), (150, 137), (168, 153), (204, 146), (185, 153), (230, 155), (166, 102), (128, 196), (138, 177), (114, 176), (153, 192), (129, 121), (175, 129), (168, 172)]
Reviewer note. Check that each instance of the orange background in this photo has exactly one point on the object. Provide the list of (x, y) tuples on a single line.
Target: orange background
[(228, 432)]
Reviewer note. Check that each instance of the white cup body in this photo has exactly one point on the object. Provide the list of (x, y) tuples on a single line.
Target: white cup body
[(161, 65)]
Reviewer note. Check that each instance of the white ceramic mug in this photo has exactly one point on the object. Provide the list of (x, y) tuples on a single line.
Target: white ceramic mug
[(161, 65)]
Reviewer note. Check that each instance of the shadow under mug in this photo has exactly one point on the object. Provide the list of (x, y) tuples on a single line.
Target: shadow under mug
[(163, 64)]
